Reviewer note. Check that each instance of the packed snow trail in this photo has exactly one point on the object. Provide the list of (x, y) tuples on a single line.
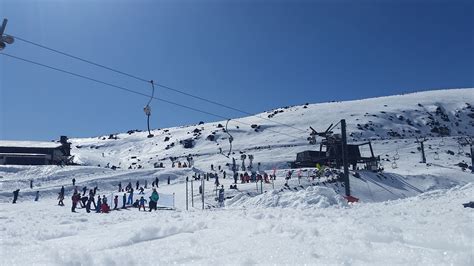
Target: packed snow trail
[(432, 228)]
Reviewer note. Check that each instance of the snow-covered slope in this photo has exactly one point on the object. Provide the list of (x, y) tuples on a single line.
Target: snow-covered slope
[(411, 213), (431, 114)]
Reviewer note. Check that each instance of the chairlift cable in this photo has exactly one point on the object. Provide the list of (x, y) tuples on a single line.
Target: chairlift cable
[(135, 92), (157, 84)]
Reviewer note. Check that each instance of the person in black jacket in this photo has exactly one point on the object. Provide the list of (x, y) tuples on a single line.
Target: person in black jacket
[(15, 195)]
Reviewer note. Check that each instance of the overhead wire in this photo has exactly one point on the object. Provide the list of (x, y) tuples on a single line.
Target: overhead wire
[(157, 84), (133, 91)]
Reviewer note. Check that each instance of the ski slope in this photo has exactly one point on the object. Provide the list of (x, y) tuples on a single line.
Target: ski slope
[(411, 213)]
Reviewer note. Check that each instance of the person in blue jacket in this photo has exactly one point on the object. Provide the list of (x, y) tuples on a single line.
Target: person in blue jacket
[(130, 197), (142, 203)]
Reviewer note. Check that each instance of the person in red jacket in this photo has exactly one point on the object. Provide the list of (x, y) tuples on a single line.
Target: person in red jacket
[(75, 199)]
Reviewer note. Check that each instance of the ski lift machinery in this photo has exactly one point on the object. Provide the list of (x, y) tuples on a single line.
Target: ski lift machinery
[(147, 109)]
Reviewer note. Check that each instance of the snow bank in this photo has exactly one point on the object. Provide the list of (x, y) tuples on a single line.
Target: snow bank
[(319, 197)]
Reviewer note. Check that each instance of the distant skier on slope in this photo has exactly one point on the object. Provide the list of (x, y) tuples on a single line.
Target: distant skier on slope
[(61, 197), (15, 195), (73, 182), (124, 200), (115, 202), (99, 204), (221, 196)]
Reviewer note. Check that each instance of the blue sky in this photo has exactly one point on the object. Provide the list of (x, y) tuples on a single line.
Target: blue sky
[(253, 55)]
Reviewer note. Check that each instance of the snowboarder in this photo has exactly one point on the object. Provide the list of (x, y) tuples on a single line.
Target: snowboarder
[(130, 197), (15, 195), (37, 195), (73, 182), (115, 202), (142, 203)]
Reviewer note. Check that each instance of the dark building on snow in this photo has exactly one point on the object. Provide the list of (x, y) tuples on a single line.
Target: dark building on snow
[(35, 152)]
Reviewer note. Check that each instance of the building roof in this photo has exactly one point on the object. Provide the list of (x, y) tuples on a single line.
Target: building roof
[(29, 144), (24, 155)]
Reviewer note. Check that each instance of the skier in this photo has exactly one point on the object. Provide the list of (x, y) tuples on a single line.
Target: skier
[(73, 182), (212, 167), (120, 187), (84, 190), (137, 184), (157, 182), (146, 183), (217, 180), (31, 183), (104, 199), (15, 195), (142, 204), (37, 195), (221, 196), (141, 191), (154, 200), (95, 190), (115, 202), (169, 180), (130, 197), (124, 200)]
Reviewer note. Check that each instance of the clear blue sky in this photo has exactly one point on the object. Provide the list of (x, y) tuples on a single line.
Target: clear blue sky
[(254, 55)]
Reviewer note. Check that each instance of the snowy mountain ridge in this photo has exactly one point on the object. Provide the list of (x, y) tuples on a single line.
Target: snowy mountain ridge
[(440, 113)]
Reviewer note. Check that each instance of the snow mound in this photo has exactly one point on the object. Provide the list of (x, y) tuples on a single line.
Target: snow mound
[(311, 197)]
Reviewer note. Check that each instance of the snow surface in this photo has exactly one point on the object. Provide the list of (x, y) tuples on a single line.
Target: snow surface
[(411, 213)]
